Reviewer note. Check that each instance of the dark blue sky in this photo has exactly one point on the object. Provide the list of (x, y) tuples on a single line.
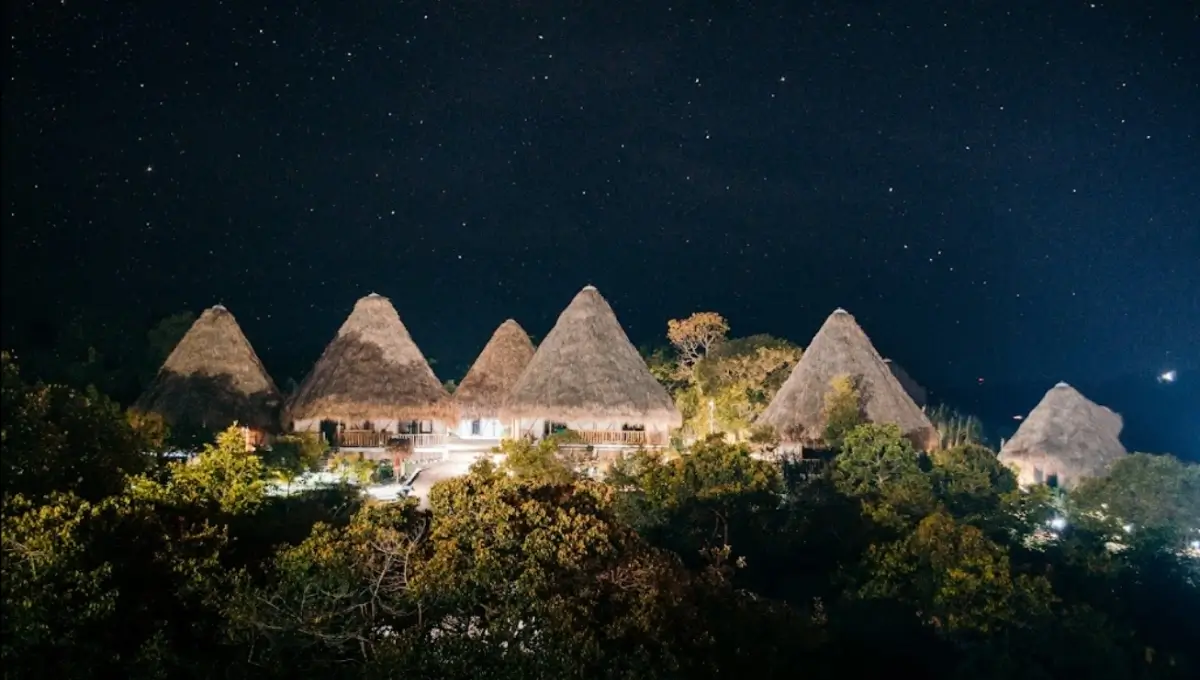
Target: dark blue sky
[(1007, 190)]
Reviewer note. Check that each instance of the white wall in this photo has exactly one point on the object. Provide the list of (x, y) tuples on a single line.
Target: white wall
[(489, 428)]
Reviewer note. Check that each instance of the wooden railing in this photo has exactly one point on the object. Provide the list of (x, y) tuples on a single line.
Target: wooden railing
[(622, 437), (371, 439)]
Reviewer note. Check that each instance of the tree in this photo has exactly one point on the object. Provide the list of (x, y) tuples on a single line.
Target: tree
[(955, 578), (742, 375), (292, 456), (225, 477), (954, 428), (539, 460), (842, 411), (56, 439), (696, 335), (879, 467), (1145, 492), (976, 488), (161, 340)]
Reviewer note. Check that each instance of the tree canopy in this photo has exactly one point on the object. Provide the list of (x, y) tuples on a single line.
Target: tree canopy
[(710, 562)]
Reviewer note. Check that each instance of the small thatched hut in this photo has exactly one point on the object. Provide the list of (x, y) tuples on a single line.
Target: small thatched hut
[(1065, 439), (587, 377), (372, 385), (917, 393), (489, 381), (212, 379), (842, 348)]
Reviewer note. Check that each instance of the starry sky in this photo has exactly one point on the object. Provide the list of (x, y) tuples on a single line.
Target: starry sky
[(997, 190)]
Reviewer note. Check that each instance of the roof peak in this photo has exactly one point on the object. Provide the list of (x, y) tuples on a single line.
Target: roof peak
[(589, 287), (219, 308), (1062, 384), (839, 310)]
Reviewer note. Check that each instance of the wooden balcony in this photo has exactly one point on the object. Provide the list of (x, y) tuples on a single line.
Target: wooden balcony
[(623, 438), (372, 439)]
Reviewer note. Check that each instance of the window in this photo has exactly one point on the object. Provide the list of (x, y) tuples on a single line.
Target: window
[(1052, 481), (554, 428), (426, 427), (626, 427), (476, 427)]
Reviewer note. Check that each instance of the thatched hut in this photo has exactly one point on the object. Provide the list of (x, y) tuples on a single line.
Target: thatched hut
[(212, 379), (842, 348), (372, 385), (489, 381), (915, 392), (587, 377), (1065, 439)]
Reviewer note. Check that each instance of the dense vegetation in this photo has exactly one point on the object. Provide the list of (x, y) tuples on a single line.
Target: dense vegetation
[(708, 564)]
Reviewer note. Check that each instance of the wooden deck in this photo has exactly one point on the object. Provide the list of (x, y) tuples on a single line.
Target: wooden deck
[(371, 439), (623, 438)]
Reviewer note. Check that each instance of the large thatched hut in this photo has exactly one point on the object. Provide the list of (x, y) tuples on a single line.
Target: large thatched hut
[(1065, 439), (841, 348), (372, 385), (587, 377), (491, 378), (212, 379)]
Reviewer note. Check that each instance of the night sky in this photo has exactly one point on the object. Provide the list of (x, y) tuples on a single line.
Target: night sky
[(997, 190)]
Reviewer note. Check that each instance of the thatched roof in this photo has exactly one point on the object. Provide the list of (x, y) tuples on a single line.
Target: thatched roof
[(842, 348), (917, 393), (213, 378), (494, 373), (586, 369), (372, 370), (1066, 435)]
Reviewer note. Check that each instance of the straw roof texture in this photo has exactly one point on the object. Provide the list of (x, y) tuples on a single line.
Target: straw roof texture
[(842, 348), (1066, 435), (212, 378), (372, 370), (494, 373), (917, 393), (586, 369)]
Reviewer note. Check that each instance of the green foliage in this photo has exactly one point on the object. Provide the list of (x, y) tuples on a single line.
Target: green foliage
[(955, 428), (539, 460), (880, 467), (1154, 495), (292, 456), (53, 438), (679, 565), (955, 578), (226, 477), (842, 411), (353, 467)]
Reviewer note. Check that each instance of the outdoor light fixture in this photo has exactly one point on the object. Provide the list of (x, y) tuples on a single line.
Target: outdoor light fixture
[(1058, 523)]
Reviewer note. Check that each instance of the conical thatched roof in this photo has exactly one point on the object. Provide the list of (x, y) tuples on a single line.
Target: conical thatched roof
[(586, 369), (494, 373), (917, 393), (842, 348), (213, 378), (1067, 436), (372, 370)]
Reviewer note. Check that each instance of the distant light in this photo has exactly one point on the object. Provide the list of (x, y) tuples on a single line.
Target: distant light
[(1195, 545), (981, 381), (1128, 528), (1018, 417), (1168, 377), (1058, 523)]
